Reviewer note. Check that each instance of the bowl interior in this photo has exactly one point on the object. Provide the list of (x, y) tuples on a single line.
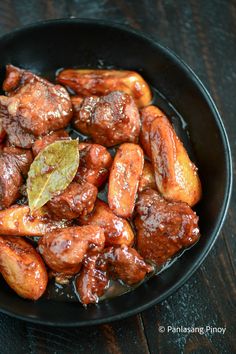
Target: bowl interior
[(43, 48)]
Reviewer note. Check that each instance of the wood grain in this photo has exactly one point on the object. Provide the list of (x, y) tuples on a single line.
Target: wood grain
[(203, 33)]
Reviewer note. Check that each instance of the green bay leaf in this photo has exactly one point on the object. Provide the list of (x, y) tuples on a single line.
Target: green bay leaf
[(52, 171)]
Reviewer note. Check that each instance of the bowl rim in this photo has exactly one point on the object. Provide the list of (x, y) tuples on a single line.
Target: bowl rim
[(229, 169)]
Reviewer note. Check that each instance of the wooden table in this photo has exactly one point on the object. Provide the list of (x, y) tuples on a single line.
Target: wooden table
[(203, 33)]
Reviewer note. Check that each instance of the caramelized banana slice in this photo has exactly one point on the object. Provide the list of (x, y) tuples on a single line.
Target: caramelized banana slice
[(147, 179), (88, 82), (22, 267), (64, 250), (124, 179), (117, 230), (176, 176), (148, 115), (17, 220), (76, 101)]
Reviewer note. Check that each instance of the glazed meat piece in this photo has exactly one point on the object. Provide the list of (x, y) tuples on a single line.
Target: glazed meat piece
[(126, 264), (77, 199), (23, 158), (14, 165), (89, 82), (64, 250), (117, 230), (124, 179), (17, 220), (94, 165), (122, 263), (176, 176), (163, 228), (22, 267), (33, 106), (46, 140), (147, 179), (83, 114), (92, 280), (109, 120)]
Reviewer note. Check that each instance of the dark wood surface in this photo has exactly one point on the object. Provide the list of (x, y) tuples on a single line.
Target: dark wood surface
[(203, 33)]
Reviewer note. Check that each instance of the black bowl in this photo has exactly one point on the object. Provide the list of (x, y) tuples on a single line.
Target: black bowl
[(45, 47)]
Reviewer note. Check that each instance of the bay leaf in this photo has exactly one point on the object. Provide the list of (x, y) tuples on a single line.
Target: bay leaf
[(52, 171)]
